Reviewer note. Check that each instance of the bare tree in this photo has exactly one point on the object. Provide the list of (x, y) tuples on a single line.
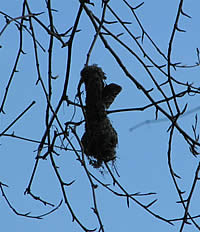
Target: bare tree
[(72, 123)]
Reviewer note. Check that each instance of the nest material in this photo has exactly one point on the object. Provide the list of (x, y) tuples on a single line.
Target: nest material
[(100, 138)]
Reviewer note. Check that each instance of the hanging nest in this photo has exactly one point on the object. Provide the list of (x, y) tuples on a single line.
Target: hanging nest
[(100, 138)]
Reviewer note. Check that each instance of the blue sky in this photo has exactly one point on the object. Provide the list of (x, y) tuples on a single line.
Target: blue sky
[(141, 152)]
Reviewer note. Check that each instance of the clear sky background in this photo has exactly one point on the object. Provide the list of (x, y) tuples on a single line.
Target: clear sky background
[(142, 150)]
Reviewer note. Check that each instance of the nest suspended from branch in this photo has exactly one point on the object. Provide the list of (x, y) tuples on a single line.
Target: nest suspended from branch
[(100, 138)]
